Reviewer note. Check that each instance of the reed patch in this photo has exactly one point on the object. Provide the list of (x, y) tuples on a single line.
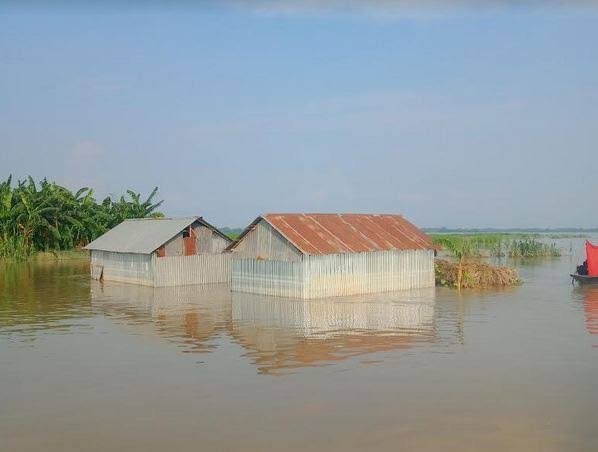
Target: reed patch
[(495, 245), (473, 274)]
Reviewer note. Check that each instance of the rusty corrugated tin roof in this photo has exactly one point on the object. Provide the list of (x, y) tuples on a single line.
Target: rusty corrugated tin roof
[(318, 233)]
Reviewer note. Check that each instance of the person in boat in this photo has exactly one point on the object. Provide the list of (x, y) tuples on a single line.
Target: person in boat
[(583, 268)]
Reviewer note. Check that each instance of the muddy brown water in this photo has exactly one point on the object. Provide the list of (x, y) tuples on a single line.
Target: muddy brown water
[(89, 366)]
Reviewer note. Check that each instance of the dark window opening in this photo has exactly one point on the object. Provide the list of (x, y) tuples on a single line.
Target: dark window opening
[(186, 233)]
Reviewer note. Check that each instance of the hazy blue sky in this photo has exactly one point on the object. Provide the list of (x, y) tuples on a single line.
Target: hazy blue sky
[(454, 116)]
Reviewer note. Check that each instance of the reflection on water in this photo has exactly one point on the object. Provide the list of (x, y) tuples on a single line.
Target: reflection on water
[(277, 333), (588, 295), (42, 296), (285, 334), (591, 310), (190, 316), (91, 366)]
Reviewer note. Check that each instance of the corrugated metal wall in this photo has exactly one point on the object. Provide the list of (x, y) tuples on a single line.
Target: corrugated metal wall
[(208, 241), (219, 243), (332, 275), (124, 267), (335, 274), (198, 269), (265, 242), (268, 277), (204, 243), (174, 247)]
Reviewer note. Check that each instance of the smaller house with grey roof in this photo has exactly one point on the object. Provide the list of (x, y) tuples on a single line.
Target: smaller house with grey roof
[(328, 255), (161, 252)]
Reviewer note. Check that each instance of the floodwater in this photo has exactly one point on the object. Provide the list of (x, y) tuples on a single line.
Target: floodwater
[(90, 366)]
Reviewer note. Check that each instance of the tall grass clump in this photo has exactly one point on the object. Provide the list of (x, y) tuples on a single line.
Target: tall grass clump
[(45, 216), (532, 248), (462, 249), (475, 244), (496, 245), (13, 247), (473, 274), (466, 273)]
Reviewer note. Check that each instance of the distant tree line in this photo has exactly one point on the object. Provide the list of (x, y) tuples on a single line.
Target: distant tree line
[(45, 216), (445, 230), (233, 233)]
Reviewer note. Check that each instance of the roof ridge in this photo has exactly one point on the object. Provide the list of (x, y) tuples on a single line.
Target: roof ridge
[(162, 218), (334, 213)]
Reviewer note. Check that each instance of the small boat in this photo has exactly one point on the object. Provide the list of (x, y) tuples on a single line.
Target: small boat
[(584, 279), (587, 273)]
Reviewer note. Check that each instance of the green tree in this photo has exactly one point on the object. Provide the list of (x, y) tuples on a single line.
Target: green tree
[(47, 216)]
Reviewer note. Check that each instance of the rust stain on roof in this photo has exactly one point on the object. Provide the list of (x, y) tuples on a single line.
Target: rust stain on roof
[(348, 233)]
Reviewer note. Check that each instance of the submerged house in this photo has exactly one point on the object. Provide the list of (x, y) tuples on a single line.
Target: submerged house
[(328, 255), (161, 252)]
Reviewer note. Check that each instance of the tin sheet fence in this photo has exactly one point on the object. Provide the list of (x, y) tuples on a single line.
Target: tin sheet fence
[(334, 275), (268, 277), (197, 269), (123, 267)]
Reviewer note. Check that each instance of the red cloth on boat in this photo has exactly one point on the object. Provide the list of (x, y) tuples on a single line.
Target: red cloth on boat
[(592, 257)]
